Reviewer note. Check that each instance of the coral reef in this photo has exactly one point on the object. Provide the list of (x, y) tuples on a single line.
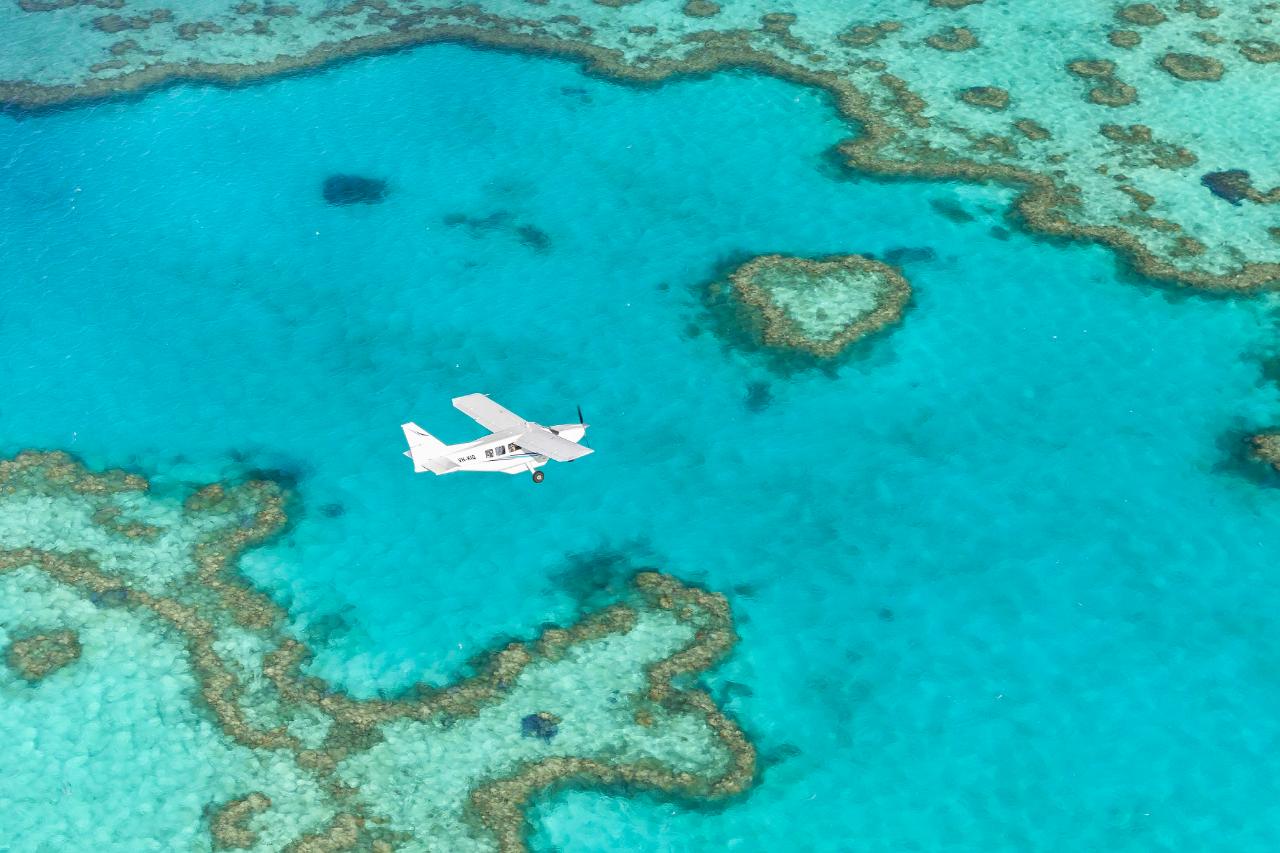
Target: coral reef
[(1266, 446), (437, 768), (902, 97), (953, 40), (1188, 66), (820, 306), (988, 97)]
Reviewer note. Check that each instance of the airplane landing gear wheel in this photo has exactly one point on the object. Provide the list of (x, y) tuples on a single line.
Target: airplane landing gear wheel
[(539, 476)]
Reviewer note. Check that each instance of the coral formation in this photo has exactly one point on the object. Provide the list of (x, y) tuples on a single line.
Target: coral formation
[(903, 98), (1188, 66), (38, 656), (1236, 185), (1143, 14), (988, 97), (1266, 446), (701, 8), (1109, 90), (436, 768), (953, 39), (824, 305), (1125, 38)]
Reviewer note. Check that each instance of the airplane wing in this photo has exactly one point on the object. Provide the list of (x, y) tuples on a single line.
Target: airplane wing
[(546, 443), (487, 413)]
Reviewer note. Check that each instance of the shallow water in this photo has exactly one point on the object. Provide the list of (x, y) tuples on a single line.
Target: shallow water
[(1000, 578)]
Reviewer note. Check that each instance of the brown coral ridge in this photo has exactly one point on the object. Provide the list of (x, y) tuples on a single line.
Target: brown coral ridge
[(1037, 207), (220, 598), (1266, 446), (779, 330), (38, 656)]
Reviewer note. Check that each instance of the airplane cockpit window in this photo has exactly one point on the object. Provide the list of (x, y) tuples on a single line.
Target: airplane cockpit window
[(513, 447)]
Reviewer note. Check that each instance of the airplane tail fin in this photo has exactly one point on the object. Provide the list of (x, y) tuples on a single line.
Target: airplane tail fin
[(424, 448)]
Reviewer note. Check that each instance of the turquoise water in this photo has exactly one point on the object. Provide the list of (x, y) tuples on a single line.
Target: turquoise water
[(1000, 581)]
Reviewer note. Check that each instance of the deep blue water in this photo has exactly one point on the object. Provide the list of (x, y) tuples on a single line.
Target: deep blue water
[(1001, 585)]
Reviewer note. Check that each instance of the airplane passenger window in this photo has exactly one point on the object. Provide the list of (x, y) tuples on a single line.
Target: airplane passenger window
[(488, 454), (501, 450)]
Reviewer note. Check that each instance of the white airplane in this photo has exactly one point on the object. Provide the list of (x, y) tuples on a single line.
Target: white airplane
[(513, 444)]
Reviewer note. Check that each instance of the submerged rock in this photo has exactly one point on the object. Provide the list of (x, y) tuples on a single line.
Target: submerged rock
[(353, 189), (543, 725), (1232, 184)]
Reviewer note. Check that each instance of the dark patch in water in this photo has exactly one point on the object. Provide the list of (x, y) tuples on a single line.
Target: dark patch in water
[(342, 190), (951, 210), (287, 478), (576, 92), (114, 597), (503, 221), (773, 756), (334, 510), (327, 628), (759, 396), (479, 225), (663, 287), (540, 725), (593, 578), (1236, 457), (533, 237), (1232, 185), (1000, 232), (885, 614), (745, 590), (910, 254)]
